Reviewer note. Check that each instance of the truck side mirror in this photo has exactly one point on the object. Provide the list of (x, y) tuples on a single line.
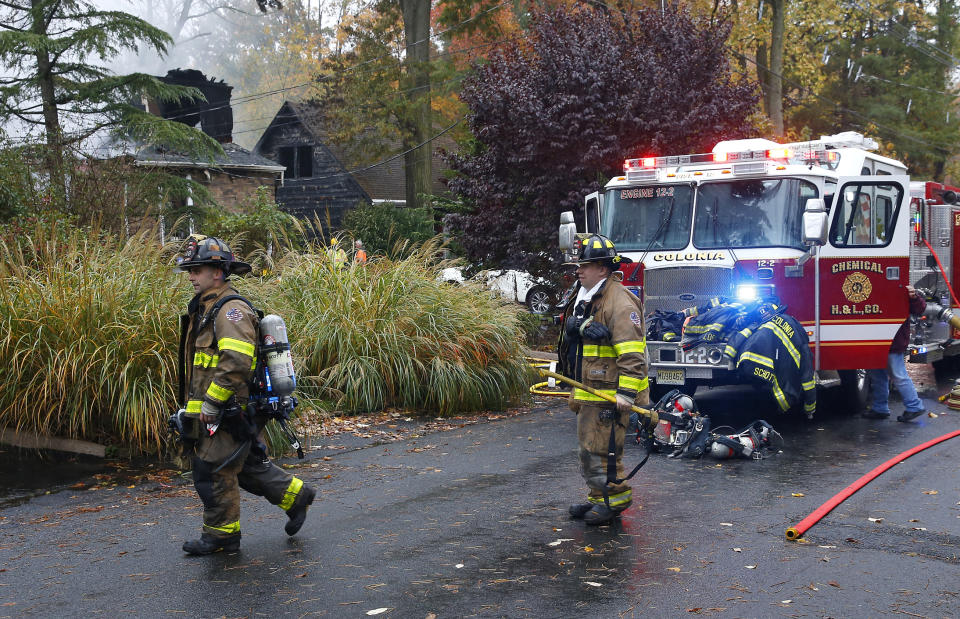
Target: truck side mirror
[(568, 231), (815, 222)]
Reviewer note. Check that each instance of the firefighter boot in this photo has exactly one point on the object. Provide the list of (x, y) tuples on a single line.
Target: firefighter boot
[(298, 513), (601, 514), (209, 544), (577, 511)]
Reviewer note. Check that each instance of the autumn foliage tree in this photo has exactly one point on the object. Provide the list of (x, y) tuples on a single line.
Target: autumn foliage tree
[(553, 116)]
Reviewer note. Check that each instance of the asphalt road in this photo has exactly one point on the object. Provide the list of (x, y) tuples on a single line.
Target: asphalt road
[(473, 522)]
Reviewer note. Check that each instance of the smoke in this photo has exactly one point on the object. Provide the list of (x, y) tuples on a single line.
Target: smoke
[(266, 57), (220, 38)]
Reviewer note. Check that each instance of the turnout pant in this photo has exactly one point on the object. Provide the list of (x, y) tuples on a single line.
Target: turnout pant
[(593, 436), (216, 482), (250, 469)]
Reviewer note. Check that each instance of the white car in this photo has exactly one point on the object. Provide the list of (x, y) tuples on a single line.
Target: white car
[(537, 294)]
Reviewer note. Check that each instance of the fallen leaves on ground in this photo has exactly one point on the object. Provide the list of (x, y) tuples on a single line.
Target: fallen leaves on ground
[(391, 425)]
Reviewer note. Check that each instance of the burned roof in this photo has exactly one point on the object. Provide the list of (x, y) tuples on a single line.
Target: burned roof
[(383, 179), (234, 157)]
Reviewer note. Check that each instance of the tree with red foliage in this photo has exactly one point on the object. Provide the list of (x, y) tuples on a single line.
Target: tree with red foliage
[(555, 114)]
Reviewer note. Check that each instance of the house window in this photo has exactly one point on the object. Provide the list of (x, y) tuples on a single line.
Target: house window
[(298, 160), (304, 161)]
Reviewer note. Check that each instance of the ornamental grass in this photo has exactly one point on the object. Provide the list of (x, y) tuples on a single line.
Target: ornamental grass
[(88, 340), (391, 334), (89, 335)]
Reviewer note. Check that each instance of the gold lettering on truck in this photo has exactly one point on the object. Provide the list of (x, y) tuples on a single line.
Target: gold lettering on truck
[(856, 265)]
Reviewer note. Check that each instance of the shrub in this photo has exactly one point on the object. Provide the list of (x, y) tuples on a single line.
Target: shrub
[(89, 340), (259, 224), (382, 226), (89, 336), (391, 334)]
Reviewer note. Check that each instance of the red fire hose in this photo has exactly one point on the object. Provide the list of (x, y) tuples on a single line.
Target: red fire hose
[(794, 533), (944, 273)]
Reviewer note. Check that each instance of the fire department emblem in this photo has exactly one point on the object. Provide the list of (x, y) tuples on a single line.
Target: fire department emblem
[(235, 315), (857, 287)]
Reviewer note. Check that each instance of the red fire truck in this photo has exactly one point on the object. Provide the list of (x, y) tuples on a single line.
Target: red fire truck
[(830, 227)]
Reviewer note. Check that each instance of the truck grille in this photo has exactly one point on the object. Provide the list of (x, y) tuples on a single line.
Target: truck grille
[(677, 288), (939, 229)]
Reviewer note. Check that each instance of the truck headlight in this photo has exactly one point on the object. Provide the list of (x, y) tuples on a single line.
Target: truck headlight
[(746, 292), (751, 292)]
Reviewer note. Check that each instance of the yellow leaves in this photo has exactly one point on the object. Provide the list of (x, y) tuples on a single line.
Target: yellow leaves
[(673, 569), (797, 494), (588, 548), (931, 492)]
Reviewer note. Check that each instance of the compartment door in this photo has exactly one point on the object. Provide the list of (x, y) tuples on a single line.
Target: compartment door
[(864, 271)]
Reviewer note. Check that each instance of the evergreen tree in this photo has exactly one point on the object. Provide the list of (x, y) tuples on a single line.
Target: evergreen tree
[(54, 52)]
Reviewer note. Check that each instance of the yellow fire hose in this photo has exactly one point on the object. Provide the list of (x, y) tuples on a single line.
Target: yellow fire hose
[(541, 388), (643, 412), (538, 389)]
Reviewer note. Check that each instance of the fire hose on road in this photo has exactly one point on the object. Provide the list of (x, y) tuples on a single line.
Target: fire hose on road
[(794, 532)]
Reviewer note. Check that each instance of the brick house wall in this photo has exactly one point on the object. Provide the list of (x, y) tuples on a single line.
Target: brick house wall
[(230, 191)]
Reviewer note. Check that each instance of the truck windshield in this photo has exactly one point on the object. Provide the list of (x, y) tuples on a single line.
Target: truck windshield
[(655, 216), (751, 213)]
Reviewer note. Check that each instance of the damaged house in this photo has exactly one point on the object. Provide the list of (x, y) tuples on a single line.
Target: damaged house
[(318, 182), (232, 177)]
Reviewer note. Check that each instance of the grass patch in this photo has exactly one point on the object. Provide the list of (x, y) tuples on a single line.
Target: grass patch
[(89, 338)]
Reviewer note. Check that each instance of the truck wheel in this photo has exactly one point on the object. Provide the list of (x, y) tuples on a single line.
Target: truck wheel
[(854, 389), (539, 300)]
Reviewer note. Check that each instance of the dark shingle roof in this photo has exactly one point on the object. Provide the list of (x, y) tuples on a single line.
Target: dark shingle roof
[(234, 156), (385, 180)]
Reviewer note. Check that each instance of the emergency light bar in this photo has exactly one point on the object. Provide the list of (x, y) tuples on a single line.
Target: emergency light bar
[(813, 156)]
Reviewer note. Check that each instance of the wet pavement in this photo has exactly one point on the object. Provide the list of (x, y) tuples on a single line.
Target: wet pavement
[(472, 522)]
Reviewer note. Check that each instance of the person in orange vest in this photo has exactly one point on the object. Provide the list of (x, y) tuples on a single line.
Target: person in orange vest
[(360, 254)]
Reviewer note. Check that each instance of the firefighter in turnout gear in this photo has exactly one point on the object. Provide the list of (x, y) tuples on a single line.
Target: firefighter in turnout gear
[(602, 345), (218, 355)]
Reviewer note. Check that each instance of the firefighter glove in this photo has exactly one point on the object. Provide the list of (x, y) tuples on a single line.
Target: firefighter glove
[(595, 331), (624, 404), (573, 326), (209, 413), (175, 423)]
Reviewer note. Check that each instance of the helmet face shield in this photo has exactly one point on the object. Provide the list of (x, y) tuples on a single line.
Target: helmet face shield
[(190, 248), (200, 250), (598, 248)]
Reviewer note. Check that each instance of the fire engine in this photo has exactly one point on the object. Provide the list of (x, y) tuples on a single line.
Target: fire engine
[(830, 227)]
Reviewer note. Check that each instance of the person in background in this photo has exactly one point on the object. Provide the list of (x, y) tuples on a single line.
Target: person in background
[(896, 370), (360, 254), (335, 253)]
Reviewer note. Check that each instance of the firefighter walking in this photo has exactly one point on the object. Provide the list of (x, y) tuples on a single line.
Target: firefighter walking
[(602, 345), (218, 356)]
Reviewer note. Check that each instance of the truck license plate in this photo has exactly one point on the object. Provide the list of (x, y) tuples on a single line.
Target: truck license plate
[(670, 377)]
